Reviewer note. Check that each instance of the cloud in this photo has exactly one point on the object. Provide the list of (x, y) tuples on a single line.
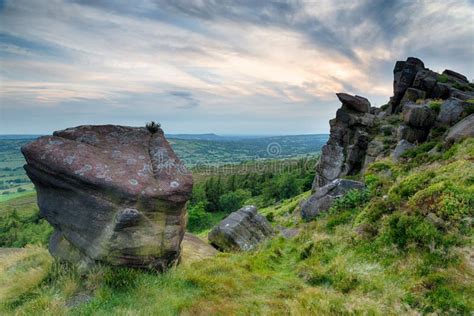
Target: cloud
[(230, 64)]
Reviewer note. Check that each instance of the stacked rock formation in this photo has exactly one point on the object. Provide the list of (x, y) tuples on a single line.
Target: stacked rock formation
[(346, 148), (412, 81), (241, 230), (114, 194)]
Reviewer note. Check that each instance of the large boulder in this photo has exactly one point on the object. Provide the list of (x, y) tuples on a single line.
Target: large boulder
[(357, 103), (418, 115), (461, 130), (114, 194), (452, 110), (241, 230), (323, 198)]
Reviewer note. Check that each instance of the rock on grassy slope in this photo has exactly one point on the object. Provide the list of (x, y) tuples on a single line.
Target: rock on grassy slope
[(114, 194), (400, 246), (376, 251)]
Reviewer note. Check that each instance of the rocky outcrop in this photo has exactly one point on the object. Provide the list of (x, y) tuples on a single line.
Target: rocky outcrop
[(323, 198), (461, 130), (412, 81), (114, 194), (346, 148), (241, 230)]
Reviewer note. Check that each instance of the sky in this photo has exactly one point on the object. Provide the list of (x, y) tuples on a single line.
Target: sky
[(227, 67)]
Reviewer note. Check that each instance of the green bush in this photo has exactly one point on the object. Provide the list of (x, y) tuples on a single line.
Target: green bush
[(410, 185), (443, 78), (19, 231), (120, 278), (404, 230), (435, 106), (198, 218), (232, 201), (418, 150)]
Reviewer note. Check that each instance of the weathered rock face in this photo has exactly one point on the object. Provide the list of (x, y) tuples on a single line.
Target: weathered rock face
[(412, 81), (114, 194), (323, 198), (241, 230), (345, 150)]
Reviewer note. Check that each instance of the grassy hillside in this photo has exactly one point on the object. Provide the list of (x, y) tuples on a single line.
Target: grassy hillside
[(403, 246)]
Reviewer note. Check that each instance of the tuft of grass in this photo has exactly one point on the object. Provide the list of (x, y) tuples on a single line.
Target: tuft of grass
[(22, 270), (435, 105), (153, 127)]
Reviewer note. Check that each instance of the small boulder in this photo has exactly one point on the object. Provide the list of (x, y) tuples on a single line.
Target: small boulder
[(461, 130), (322, 199), (241, 230), (357, 103), (418, 115), (402, 147), (451, 111)]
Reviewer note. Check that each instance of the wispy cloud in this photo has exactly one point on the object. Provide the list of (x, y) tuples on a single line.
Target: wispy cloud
[(230, 64)]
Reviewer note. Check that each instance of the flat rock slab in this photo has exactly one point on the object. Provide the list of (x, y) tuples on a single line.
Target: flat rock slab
[(241, 230), (114, 194)]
